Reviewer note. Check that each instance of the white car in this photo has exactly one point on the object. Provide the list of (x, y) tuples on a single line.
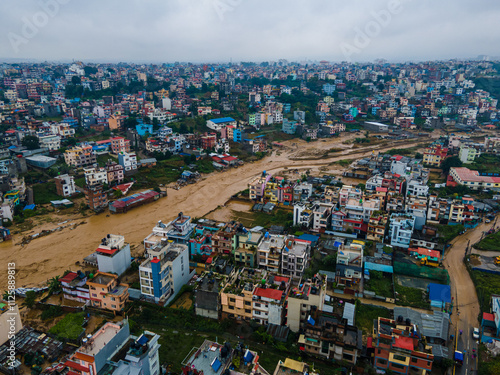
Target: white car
[(475, 333)]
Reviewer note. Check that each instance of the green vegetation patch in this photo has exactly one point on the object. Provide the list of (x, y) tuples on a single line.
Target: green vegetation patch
[(490, 242), (380, 284), (486, 285), (70, 327), (411, 297), (365, 314), (44, 193)]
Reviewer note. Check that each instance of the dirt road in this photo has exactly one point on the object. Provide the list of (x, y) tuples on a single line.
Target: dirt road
[(51, 255)]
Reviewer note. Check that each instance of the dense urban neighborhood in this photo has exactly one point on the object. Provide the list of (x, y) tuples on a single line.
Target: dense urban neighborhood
[(250, 218)]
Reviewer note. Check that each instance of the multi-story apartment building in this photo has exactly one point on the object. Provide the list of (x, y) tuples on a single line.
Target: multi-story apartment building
[(113, 255), (96, 198), (80, 156), (119, 144), (302, 191), (349, 192), (321, 217), (328, 335), (467, 154), (305, 296), (237, 295), (74, 287), (434, 155), (115, 172), (269, 252), (258, 186), (165, 271), (417, 207), (65, 185), (112, 349), (245, 244), (349, 269), (295, 257), (302, 215), (106, 292), (222, 240), (376, 227), (95, 176), (178, 230), (417, 188), (269, 300), (401, 229), (51, 142), (128, 161), (397, 348), (207, 295)]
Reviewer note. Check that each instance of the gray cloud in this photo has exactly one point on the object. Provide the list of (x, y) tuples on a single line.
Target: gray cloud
[(217, 30)]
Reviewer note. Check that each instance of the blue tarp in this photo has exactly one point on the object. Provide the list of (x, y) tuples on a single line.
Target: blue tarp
[(142, 340), (378, 267), (309, 237), (310, 320), (29, 207), (248, 356), (438, 292), (216, 364), (337, 244)]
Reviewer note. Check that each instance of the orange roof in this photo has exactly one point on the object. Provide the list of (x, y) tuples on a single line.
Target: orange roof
[(268, 293), (84, 357)]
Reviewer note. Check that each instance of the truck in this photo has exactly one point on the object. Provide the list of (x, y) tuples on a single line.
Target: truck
[(459, 358), (426, 262)]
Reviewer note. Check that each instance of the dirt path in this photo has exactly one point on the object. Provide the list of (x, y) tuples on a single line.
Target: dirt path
[(50, 256)]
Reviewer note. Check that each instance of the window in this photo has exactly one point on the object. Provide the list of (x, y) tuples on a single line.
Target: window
[(382, 362), (247, 303), (231, 307), (232, 300), (113, 306), (248, 311)]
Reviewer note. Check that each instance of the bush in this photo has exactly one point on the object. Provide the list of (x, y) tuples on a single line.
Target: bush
[(52, 312), (70, 327)]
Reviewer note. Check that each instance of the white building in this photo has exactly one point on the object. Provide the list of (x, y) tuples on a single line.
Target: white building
[(467, 154), (295, 257), (167, 103), (95, 176), (417, 188), (302, 215), (52, 142), (165, 271), (113, 254), (65, 185), (401, 229), (128, 161)]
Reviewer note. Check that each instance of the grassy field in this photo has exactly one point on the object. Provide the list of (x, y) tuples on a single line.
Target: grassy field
[(380, 284), (44, 193), (449, 232), (277, 217), (411, 297), (486, 285), (343, 162), (365, 314), (70, 327), (102, 159), (491, 242), (486, 163)]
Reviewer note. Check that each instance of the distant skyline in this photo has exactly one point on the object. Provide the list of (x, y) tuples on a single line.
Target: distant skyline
[(159, 31)]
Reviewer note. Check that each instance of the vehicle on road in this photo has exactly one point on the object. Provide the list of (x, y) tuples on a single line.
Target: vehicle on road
[(487, 221), (459, 358), (475, 333)]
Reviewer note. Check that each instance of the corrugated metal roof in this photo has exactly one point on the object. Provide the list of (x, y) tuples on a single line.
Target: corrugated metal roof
[(349, 311)]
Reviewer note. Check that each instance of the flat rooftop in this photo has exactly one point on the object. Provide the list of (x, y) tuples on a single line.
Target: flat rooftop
[(102, 279), (100, 338)]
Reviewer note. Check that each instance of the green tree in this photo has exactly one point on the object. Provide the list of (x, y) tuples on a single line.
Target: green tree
[(54, 284), (31, 142), (75, 80), (29, 301), (453, 161)]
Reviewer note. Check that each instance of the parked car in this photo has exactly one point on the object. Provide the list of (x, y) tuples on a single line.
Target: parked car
[(487, 221), (475, 333)]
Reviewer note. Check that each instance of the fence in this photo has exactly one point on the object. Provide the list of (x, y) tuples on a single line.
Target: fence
[(410, 269)]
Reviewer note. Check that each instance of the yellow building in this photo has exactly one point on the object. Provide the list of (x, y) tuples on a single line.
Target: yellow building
[(106, 293)]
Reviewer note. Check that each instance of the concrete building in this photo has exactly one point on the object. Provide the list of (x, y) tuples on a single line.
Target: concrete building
[(128, 161), (401, 227), (65, 185), (269, 252), (218, 123), (96, 198), (295, 257), (113, 255), (206, 295), (50, 142), (80, 156), (305, 297), (112, 349), (74, 287), (107, 293), (472, 179), (119, 144), (95, 176), (165, 271), (468, 154), (302, 215), (178, 230), (435, 155)]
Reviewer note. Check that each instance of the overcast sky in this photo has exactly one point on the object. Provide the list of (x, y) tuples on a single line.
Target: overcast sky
[(248, 30)]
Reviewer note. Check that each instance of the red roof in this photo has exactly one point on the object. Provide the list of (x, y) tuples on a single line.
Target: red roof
[(268, 293), (106, 251), (369, 342), (382, 189), (155, 260), (209, 260), (76, 366), (397, 157), (230, 158), (279, 279), (404, 343), (69, 277), (488, 316)]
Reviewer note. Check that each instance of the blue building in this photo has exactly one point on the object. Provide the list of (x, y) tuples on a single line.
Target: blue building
[(237, 135), (289, 127), (143, 129), (328, 88)]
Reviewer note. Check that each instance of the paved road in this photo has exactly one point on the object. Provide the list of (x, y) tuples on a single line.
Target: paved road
[(466, 305)]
